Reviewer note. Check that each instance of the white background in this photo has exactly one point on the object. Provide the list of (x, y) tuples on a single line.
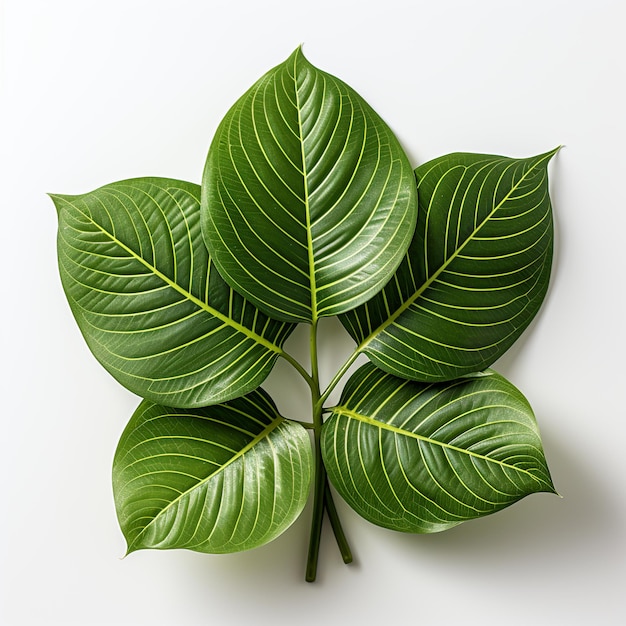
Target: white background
[(94, 92)]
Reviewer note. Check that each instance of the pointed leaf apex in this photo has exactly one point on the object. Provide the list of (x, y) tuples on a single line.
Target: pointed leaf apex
[(297, 56), (129, 551), (547, 156), (61, 199), (556, 150), (55, 199)]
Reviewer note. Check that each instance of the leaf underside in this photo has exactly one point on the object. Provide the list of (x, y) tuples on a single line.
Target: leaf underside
[(148, 300), (422, 458), (219, 479), (475, 274), (309, 202)]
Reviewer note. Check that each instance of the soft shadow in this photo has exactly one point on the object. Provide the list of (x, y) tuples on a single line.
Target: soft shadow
[(558, 532), (537, 526)]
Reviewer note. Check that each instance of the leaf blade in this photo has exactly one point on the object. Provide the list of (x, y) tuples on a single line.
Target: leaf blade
[(476, 272), (422, 458), (290, 164), (218, 479), (148, 300)]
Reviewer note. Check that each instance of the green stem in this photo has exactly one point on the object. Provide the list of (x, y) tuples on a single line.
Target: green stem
[(320, 472), (313, 385), (338, 376), (318, 512), (335, 522), (322, 498)]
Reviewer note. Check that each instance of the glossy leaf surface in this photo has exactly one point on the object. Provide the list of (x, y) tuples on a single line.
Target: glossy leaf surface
[(418, 457), (148, 300), (475, 274), (309, 202), (223, 478)]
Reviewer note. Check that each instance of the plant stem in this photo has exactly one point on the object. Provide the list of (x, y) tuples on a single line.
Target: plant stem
[(322, 498), (313, 385), (320, 472), (335, 522), (318, 511), (339, 375)]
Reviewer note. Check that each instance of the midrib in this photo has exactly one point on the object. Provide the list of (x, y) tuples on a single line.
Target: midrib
[(406, 433), (186, 294), (262, 435), (307, 208), (405, 305)]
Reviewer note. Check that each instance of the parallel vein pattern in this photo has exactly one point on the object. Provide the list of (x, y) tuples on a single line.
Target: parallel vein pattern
[(224, 478), (422, 458), (149, 302), (475, 274), (308, 201)]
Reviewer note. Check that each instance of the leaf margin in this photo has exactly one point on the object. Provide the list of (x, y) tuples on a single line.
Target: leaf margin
[(369, 341), (273, 429), (371, 504), (67, 210)]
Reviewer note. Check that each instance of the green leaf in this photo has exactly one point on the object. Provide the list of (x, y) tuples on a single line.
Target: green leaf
[(148, 300), (224, 478), (309, 202), (475, 274), (422, 458)]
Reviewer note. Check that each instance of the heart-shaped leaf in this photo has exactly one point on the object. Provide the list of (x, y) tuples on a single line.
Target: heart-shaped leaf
[(309, 202), (224, 478), (149, 302), (422, 458), (475, 274)]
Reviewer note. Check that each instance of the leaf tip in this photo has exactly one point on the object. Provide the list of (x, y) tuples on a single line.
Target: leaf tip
[(129, 550), (548, 155), (56, 200), (297, 53), (59, 200), (542, 160), (550, 488)]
